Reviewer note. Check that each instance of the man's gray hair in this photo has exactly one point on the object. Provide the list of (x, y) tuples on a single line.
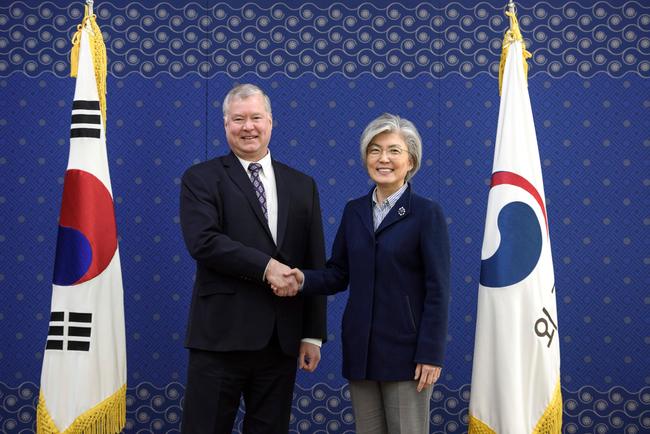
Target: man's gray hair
[(389, 123), (243, 91)]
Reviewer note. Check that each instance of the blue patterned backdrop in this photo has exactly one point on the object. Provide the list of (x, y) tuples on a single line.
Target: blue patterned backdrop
[(330, 69)]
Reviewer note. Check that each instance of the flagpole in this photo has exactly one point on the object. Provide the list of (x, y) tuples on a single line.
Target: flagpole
[(512, 34), (512, 9), (515, 384), (83, 378)]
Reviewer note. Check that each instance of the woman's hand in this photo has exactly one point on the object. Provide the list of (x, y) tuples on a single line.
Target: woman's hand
[(427, 374), (297, 277)]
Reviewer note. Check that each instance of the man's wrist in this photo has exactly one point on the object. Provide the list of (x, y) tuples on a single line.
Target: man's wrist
[(314, 341), (266, 270)]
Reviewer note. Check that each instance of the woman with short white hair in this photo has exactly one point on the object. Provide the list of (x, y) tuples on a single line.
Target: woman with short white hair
[(392, 251)]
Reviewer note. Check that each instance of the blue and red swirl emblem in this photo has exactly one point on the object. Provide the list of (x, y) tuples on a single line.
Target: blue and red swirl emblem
[(87, 238), (520, 233)]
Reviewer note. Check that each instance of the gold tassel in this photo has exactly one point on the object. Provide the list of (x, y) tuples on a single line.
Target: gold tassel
[(74, 54), (551, 420), (512, 34), (98, 52), (107, 417), (98, 49)]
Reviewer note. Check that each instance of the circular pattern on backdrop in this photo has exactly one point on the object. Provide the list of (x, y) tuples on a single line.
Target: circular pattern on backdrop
[(150, 408), (354, 40)]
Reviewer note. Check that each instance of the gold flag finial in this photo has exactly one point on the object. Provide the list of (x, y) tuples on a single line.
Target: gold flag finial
[(511, 35)]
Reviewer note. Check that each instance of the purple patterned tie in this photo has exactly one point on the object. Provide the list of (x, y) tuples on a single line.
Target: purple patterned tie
[(254, 169)]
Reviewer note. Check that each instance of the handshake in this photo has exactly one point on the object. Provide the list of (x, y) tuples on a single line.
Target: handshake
[(284, 281)]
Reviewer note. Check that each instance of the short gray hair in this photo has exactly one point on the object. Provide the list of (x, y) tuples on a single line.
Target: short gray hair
[(389, 123), (243, 91)]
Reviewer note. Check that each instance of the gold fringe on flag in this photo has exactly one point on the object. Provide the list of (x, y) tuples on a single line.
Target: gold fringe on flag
[(551, 420), (107, 417), (477, 426), (549, 423), (98, 51), (512, 34)]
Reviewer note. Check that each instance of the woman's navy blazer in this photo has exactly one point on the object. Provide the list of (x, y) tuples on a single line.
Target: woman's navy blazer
[(397, 309)]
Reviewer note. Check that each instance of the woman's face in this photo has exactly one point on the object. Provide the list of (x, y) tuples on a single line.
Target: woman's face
[(388, 160)]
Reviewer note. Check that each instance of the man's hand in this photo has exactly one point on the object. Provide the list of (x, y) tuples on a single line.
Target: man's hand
[(427, 374), (280, 278), (309, 356), (295, 274)]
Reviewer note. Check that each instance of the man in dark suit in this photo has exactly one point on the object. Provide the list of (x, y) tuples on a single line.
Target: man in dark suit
[(247, 219)]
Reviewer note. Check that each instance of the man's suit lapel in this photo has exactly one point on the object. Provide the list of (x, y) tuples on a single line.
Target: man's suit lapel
[(242, 181), (400, 210), (283, 188)]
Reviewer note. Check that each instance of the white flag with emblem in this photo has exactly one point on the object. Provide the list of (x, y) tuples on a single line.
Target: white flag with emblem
[(83, 381), (516, 373)]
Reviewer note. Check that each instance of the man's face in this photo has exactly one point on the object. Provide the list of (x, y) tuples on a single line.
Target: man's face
[(248, 127)]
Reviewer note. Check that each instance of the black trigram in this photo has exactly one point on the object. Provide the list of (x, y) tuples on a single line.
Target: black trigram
[(75, 332), (86, 119)]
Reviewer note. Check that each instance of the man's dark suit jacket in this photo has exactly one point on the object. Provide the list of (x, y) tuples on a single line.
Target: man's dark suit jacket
[(226, 233)]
